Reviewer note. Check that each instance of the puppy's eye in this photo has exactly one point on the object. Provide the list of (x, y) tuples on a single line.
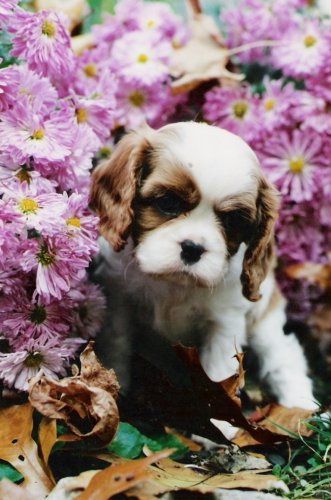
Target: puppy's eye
[(169, 204), (236, 223)]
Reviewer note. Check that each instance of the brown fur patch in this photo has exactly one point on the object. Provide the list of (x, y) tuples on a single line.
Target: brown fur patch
[(259, 254), (114, 187)]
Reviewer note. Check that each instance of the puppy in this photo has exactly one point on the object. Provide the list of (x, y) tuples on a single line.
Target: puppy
[(189, 217)]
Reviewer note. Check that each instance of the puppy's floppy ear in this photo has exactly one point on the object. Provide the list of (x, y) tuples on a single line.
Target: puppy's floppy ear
[(259, 253), (114, 185)]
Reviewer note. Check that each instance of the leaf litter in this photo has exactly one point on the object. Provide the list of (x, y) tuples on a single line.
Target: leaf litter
[(82, 403)]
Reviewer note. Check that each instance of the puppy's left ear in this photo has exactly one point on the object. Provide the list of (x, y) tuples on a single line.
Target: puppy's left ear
[(259, 253)]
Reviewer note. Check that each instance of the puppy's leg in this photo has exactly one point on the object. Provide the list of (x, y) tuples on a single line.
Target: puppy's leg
[(223, 341), (282, 361)]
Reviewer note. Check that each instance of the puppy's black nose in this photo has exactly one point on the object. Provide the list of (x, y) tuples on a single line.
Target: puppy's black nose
[(191, 252)]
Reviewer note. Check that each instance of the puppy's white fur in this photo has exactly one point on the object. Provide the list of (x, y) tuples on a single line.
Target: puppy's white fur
[(151, 288)]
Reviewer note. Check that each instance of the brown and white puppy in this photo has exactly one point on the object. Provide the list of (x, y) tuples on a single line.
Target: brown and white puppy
[(189, 216)]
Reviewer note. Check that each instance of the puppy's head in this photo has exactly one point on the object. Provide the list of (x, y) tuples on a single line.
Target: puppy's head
[(189, 195)]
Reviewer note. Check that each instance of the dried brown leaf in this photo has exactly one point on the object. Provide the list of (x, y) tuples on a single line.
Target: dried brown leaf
[(274, 417), (20, 450), (118, 478), (203, 58), (84, 402), (46, 437), (318, 274), (94, 374), (11, 490)]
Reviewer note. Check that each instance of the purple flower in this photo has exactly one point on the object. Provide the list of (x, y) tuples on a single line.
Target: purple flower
[(140, 57), (235, 110), (295, 163), (9, 80), (57, 261), (90, 307), (303, 51), (7, 9), (50, 356), (25, 134), (22, 319), (276, 103), (43, 41)]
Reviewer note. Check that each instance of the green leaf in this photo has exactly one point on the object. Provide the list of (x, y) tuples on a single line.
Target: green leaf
[(129, 441), (8, 472), (5, 47)]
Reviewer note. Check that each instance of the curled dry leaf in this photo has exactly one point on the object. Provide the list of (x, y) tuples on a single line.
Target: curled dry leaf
[(203, 58), (84, 402), (76, 10), (20, 450)]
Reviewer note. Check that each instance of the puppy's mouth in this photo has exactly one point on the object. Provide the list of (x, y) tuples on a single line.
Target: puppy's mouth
[(182, 278)]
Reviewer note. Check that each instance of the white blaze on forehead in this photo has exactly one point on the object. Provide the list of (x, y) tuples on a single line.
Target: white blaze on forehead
[(221, 163)]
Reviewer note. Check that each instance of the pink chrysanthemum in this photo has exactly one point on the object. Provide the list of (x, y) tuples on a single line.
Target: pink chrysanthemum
[(90, 307), (9, 80), (7, 9), (302, 52), (22, 319), (140, 103), (235, 110), (57, 261), (295, 163), (276, 103), (43, 41), (52, 357), (25, 134), (139, 57)]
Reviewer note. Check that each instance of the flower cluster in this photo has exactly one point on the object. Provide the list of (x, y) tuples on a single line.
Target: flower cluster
[(57, 112), (287, 122)]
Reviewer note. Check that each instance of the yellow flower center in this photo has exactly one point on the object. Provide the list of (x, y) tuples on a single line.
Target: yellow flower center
[(73, 221), (309, 41), (240, 109), (142, 58), (28, 206), (137, 98), (48, 28), (33, 360), (44, 257), (269, 104), (90, 70), (81, 115), (150, 23), (23, 175), (296, 165), (105, 151), (37, 135)]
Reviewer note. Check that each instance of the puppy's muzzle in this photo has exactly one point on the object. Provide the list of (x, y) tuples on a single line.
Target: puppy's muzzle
[(191, 252)]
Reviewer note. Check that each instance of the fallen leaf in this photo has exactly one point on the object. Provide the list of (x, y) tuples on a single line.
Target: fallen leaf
[(93, 373), (11, 490), (118, 478), (318, 274), (75, 10), (203, 58), (46, 437), (68, 487), (276, 419), (80, 43), (191, 445), (175, 476), (188, 401), (20, 450), (80, 401)]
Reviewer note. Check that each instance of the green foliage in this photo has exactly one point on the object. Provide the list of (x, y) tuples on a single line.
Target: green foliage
[(5, 47), (8, 472), (129, 442), (308, 471)]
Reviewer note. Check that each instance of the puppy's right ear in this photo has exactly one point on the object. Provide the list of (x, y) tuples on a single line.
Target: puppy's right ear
[(114, 185)]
